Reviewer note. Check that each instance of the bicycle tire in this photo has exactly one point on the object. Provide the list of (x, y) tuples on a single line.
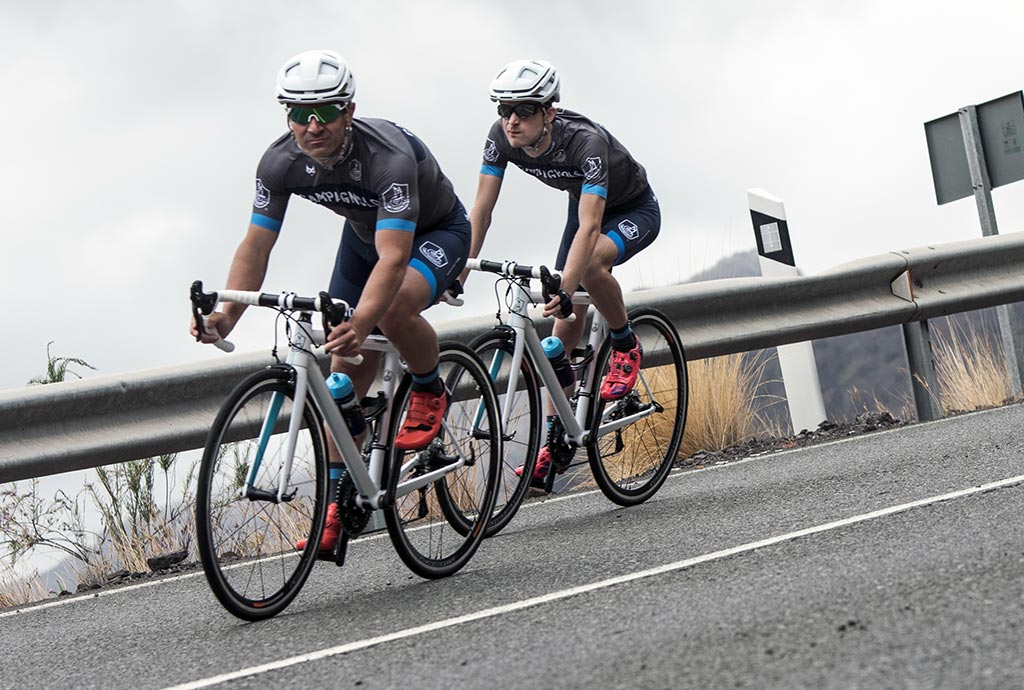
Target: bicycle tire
[(437, 528), (631, 464), (246, 544), (522, 435)]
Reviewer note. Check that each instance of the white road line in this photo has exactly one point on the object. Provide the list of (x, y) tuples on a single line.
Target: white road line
[(528, 505), (95, 595), (583, 589)]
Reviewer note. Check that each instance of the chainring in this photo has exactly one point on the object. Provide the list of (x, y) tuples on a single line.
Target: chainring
[(352, 517)]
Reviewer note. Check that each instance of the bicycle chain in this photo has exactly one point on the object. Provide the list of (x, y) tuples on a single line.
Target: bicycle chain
[(353, 518)]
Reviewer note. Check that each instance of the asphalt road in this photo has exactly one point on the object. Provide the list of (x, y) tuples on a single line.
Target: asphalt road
[(887, 560)]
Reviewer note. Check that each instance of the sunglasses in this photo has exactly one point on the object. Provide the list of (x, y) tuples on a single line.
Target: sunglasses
[(522, 110), (323, 114)]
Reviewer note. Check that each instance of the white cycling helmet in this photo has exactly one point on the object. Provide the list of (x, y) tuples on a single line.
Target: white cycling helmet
[(315, 77), (526, 80)]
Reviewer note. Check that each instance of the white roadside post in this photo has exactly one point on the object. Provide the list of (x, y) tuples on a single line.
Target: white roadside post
[(775, 254)]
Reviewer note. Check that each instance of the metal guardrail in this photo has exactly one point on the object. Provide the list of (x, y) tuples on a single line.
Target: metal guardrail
[(108, 419)]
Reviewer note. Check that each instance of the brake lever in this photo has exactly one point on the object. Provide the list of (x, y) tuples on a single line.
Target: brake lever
[(203, 304), (550, 286), (332, 316)]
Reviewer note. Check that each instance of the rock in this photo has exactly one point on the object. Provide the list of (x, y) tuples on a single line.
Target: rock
[(164, 561)]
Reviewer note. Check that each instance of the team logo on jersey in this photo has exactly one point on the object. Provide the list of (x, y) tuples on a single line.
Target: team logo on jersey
[(559, 156), (355, 170), (262, 199), (490, 151), (396, 198), (592, 167), (311, 170), (629, 229), (434, 254)]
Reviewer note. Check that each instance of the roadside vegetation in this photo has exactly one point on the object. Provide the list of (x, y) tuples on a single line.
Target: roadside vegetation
[(144, 510), (727, 401), (144, 507), (970, 367)]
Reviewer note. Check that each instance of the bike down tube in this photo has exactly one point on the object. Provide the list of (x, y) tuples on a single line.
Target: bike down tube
[(572, 427), (364, 484), (390, 372)]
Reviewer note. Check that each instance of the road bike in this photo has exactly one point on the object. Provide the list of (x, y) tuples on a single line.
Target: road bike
[(631, 443), (263, 479)]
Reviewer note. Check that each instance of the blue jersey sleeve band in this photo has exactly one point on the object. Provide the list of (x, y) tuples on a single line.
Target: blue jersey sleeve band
[(396, 224), (266, 222), (596, 190), (492, 170), (425, 271)]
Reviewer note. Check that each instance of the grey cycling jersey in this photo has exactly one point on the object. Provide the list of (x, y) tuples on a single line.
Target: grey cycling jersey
[(388, 181), (584, 158)]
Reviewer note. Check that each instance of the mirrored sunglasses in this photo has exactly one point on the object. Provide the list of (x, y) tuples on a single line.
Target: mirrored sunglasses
[(522, 110), (323, 113)]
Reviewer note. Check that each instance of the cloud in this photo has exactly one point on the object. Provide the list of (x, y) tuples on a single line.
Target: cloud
[(136, 130)]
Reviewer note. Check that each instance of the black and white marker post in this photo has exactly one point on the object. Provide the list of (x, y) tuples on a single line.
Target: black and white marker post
[(775, 254)]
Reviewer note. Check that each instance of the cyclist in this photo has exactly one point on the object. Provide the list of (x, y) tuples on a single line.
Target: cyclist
[(404, 241), (613, 213)]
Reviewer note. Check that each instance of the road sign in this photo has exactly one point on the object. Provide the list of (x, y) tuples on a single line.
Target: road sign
[(1001, 129)]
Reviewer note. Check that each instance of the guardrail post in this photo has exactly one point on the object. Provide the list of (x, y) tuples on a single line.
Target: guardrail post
[(923, 378)]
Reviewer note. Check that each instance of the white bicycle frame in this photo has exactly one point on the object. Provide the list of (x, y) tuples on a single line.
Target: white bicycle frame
[(366, 479), (527, 343)]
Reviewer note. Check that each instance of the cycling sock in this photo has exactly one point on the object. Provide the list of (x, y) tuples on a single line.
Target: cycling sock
[(428, 383), (336, 470), (623, 339)]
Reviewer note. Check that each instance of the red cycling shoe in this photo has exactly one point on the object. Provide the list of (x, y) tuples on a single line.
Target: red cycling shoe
[(623, 368), (540, 468), (422, 420), (332, 528)]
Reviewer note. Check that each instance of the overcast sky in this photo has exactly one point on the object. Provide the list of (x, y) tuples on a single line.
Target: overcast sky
[(132, 133)]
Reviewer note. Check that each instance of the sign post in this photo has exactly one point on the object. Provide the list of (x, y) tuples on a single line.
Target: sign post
[(973, 151), (775, 254)]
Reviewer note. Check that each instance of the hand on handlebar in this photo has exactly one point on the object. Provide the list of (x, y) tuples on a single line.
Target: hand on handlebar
[(560, 305), (344, 340), (216, 327), (452, 296)]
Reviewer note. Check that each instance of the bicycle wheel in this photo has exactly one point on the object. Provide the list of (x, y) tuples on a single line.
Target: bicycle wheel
[(631, 463), (439, 517), (521, 436), (246, 534)]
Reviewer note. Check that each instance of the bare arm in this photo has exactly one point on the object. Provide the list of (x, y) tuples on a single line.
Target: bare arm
[(487, 191), (393, 249), (582, 249)]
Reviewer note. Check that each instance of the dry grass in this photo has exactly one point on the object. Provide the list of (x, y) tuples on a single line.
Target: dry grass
[(16, 589), (970, 368), (724, 394), (865, 403), (723, 397)]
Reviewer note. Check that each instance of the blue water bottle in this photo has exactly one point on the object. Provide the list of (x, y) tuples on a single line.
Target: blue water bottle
[(344, 394), (555, 353)]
